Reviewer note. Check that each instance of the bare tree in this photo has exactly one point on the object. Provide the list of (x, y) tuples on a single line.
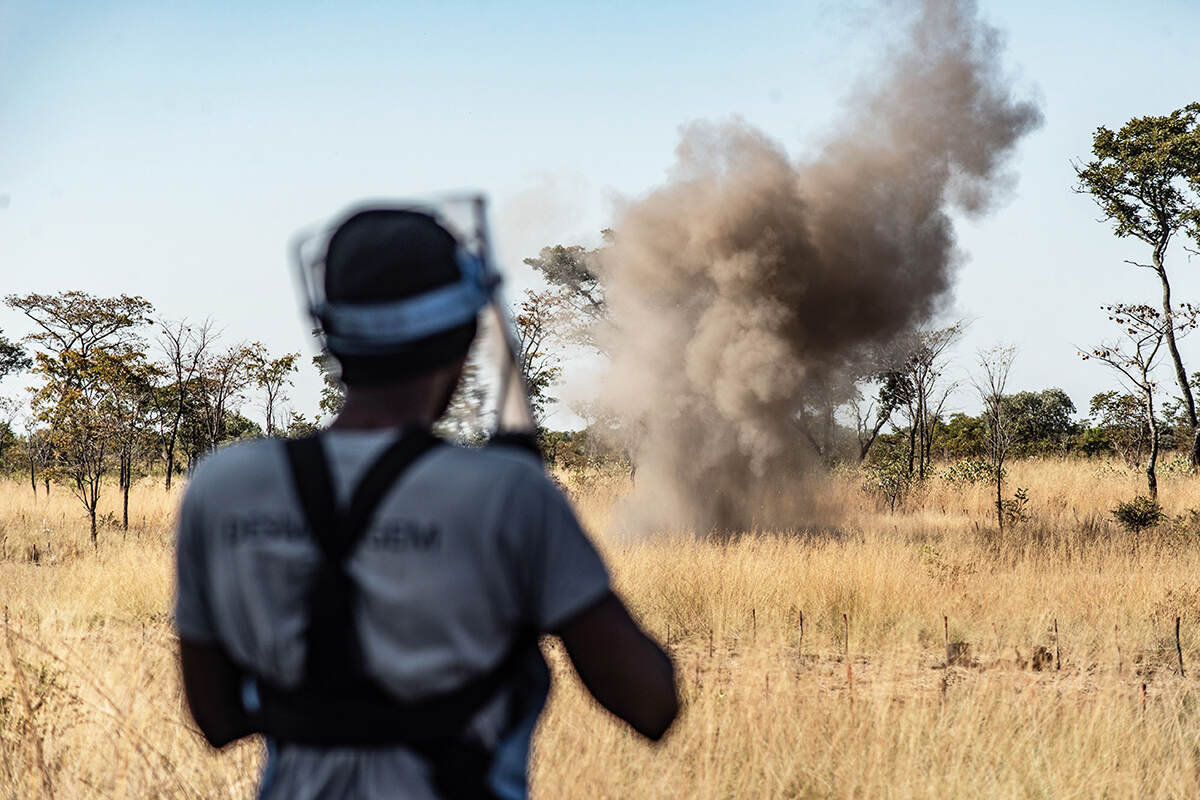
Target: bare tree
[(923, 394), (996, 363), (184, 348), (222, 381), (37, 448), (1145, 329), (272, 376)]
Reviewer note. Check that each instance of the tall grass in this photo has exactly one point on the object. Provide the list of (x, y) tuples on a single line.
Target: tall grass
[(90, 703)]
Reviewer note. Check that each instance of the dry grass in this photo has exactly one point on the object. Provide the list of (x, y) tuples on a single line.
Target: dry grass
[(94, 708)]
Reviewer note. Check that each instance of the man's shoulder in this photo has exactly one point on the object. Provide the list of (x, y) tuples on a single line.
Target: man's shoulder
[(237, 464), (494, 461)]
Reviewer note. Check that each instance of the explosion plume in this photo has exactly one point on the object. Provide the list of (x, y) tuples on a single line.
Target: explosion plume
[(749, 286)]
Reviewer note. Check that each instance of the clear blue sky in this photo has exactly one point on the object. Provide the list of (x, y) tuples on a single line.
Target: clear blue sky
[(170, 149)]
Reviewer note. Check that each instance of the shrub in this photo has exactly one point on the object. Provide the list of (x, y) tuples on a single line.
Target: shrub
[(1138, 514), (1016, 509), (969, 470), (1187, 523), (888, 478)]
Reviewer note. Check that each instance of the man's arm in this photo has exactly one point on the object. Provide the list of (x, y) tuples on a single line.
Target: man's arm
[(212, 685), (623, 668)]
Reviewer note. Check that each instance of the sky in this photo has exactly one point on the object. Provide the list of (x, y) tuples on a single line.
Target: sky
[(170, 149)]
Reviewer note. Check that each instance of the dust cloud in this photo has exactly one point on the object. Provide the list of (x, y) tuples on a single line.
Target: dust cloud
[(751, 287)]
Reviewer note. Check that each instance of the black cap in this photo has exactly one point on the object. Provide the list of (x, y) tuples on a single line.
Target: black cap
[(379, 255)]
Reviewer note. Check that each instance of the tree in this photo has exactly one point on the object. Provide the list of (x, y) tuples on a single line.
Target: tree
[(1146, 180), (72, 403), (894, 389), (12, 357), (220, 384), (1145, 329), (184, 348), (238, 427), (272, 376), (538, 319), (333, 392), (132, 384), (79, 322), (37, 448), (962, 436), (9, 408), (82, 334), (299, 426), (1039, 421), (1118, 423), (922, 395), (574, 273), (996, 363)]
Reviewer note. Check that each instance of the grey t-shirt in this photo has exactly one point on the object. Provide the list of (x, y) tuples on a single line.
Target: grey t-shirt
[(467, 549)]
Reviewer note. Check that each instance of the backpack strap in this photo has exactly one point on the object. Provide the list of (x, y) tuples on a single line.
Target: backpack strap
[(332, 647), (337, 704)]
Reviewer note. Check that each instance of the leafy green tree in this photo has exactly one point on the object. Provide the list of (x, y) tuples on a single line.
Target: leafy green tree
[(299, 426), (962, 436), (238, 428), (12, 357), (1146, 180), (1117, 425), (1039, 421)]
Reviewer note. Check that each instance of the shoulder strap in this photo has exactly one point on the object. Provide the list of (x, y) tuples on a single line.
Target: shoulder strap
[(314, 489), (331, 641)]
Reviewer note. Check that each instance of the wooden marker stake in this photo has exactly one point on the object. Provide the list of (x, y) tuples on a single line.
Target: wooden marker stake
[(1179, 649)]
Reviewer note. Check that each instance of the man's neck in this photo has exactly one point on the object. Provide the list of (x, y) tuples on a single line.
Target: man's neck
[(375, 409)]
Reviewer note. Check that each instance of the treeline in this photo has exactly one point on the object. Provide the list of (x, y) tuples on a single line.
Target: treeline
[(121, 392), (1044, 424)]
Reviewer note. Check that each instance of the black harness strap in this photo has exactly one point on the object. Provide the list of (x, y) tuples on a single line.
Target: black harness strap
[(337, 704), (332, 647)]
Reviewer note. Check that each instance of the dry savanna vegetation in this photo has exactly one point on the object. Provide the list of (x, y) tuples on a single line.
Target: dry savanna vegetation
[(812, 662)]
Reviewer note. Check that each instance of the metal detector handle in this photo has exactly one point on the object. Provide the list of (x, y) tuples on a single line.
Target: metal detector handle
[(514, 416)]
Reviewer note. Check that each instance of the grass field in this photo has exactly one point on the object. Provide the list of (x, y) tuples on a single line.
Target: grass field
[(779, 702)]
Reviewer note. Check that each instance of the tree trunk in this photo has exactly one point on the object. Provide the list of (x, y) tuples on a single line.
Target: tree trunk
[(1152, 459), (127, 470), (1185, 389), (92, 514), (912, 441), (170, 462), (33, 478), (999, 496), (46, 482)]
